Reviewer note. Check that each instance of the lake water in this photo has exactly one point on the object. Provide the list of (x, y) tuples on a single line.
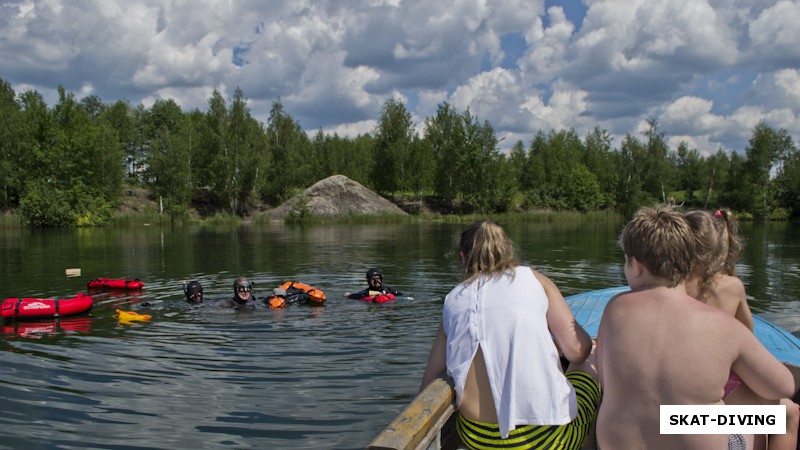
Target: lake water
[(327, 377)]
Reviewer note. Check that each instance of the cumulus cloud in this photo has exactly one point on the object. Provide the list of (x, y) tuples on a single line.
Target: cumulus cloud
[(774, 34), (545, 57), (781, 88), (709, 70)]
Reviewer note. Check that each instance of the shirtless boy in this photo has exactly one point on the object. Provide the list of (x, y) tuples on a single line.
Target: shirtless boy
[(658, 346)]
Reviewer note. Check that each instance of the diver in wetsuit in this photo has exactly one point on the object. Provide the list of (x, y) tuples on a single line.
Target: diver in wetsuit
[(242, 294), (375, 286), (194, 292)]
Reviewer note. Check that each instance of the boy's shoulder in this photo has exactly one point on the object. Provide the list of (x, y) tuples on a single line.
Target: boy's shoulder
[(655, 298)]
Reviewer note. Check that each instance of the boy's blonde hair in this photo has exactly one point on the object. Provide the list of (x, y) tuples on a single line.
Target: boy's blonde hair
[(660, 238), (717, 244), (487, 250)]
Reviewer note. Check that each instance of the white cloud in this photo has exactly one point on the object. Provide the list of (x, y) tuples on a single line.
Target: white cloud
[(545, 57), (689, 114), (562, 112), (781, 88), (701, 143), (775, 33), (350, 129), (429, 101)]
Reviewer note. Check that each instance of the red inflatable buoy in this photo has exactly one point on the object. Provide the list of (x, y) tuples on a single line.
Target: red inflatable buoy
[(24, 308), (114, 283)]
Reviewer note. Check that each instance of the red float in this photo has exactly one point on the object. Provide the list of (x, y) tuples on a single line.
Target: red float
[(30, 308), (115, 283)]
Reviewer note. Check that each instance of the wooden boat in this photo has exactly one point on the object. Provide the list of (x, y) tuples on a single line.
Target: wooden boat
[(428, 422)]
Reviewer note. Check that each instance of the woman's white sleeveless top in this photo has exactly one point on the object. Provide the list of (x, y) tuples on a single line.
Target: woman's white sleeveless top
[(507, 318)]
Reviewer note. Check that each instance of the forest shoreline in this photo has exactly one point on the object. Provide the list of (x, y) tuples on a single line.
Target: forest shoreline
[(139, 206)]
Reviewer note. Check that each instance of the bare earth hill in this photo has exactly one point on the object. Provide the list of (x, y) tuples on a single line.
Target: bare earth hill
[(338, 196)]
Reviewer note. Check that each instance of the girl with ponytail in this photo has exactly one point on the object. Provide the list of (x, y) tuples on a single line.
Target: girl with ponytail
[(714, 282)]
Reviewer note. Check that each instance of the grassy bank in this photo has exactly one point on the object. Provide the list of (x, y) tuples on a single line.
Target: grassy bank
[(12, 220)]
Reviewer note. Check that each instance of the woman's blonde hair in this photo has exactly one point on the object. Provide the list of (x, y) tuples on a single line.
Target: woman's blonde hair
[(717, 244), (486, 250)]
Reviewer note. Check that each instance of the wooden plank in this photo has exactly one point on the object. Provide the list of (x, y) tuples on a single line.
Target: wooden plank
[(412, 428)]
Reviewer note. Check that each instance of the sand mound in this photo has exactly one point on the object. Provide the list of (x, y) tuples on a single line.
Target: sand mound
[(337, 196)]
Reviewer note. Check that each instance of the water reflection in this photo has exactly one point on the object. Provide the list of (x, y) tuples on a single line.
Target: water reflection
[(37, 329)]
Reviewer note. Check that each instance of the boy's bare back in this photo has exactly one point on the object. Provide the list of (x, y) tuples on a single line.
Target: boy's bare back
[(658, 346)]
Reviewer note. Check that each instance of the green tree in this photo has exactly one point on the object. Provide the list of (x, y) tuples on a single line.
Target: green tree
[(168, 157), (394, 136), (126, 122), (212, 158), (630, 160), (736, 192), (45, 205), (333, 154), (446, 135), (290, 151), (518, 158), (73, 165), (359, 156), (582, 191), (535, 170), (789, 184), (486, 180), (598, 158), (13, 136), (552, 159), (420, 166), (247, 154), (42, 135), (502, 183), (717, 167), (108, 158), (86, 161), (561, 154), (657, 168), (199, 160), (766, 150), (690, 170), (93, 106)]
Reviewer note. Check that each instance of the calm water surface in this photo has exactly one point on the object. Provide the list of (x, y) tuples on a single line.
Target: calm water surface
[(327, 377)]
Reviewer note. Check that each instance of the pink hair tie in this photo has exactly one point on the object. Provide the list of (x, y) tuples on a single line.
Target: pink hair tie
[(718, 213)]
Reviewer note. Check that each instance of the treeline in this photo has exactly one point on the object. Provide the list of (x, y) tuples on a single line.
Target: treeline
[(68, 164)]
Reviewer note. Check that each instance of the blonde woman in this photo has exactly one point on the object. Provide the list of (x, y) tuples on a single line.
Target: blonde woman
[(499, 340)]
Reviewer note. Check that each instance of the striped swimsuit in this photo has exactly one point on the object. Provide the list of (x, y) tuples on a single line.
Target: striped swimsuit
[(482, 436)]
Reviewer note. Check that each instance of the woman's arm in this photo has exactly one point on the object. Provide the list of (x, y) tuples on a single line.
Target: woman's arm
[(437, 360), (573, 341)]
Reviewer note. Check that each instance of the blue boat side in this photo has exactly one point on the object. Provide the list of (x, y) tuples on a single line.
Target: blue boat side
[(588, 307)]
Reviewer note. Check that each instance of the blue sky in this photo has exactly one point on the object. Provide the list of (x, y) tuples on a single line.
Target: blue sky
[(707, 70)]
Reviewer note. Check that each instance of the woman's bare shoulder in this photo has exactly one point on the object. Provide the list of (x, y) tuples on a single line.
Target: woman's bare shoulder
[(728, 288)]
